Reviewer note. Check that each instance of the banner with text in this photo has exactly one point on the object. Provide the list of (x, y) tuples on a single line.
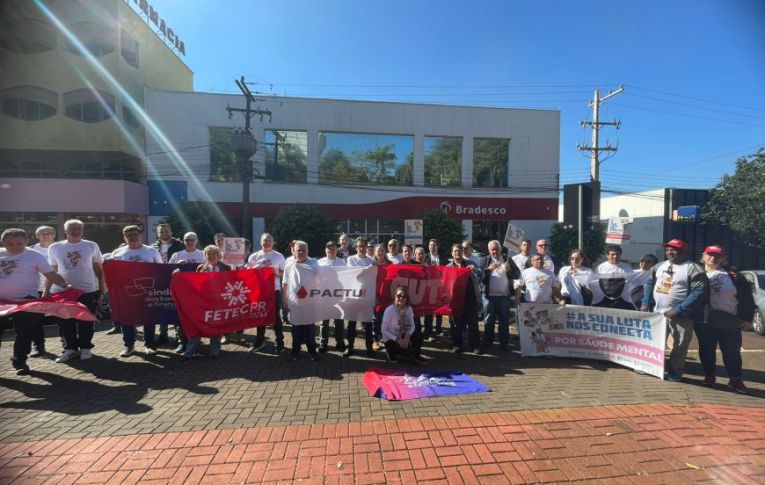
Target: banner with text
[(433, 290), (221, 302), (629, 338), (62, 305), (328, 292)]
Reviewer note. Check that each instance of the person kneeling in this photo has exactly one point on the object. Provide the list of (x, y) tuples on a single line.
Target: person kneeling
[(399, 336)]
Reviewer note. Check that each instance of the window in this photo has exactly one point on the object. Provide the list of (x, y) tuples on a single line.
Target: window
[(490, 158), (365, 158), (443, 161), (222, 161), (89, 106), (96, 38), (29, 103), (286, 153), (129, 48), (26, 35), (130, 118)]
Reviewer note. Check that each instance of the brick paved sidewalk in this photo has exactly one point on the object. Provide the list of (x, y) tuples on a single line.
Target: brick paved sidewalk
[(616, 444)]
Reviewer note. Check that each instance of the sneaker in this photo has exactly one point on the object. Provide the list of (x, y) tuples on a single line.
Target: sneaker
[(673, 377), (150, 351), (323, 348), (126, 352), (348, 352), (114, 331), (68, 355), (180, 349), (37, 352), (340, 346), (279, 348), (24, 371), (376, 345), (258, 347), (224, 340), (710, 381), (85, 354), (478, 351), (738, 386), (456, 350)]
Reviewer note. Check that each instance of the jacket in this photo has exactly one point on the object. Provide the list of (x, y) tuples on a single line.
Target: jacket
[(473, 291), (513, 274), (175, 246), (221, 267), (698, 292)]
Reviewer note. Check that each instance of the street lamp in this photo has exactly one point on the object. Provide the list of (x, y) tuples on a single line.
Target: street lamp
[(243, 146)]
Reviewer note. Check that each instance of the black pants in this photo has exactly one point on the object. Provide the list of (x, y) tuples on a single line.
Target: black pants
[(429, 324), (339, 331), (415, 344), (303, 334), (730, 347), (368, 331), (78, 334), (24, 324), (469, 320), (260, 333)]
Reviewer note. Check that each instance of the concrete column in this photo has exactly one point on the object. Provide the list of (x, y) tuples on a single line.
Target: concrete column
[(418, 171), (467, 228), (312, 158), (467, 161), (258, 227)]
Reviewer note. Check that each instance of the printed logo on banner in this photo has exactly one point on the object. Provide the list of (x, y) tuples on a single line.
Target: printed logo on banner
[(141, 286), (334, 293), (430, 291), (236, 293)]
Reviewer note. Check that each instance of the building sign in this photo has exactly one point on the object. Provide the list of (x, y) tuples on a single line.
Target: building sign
[(472, 210), (413, 231), (152, 17), (618, 230), (687, 214)]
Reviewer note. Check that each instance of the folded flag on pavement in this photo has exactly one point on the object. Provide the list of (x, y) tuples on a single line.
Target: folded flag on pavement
[(399, 385), (63, 305)]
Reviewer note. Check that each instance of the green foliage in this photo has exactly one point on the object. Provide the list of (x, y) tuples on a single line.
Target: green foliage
[(223, 167), (563, 241), (286, 162), (203, 218), (437, 225), (738, 201), (335, 167), (383, 159), (443, 164), (490, 158), (301, 222), (376, 166)]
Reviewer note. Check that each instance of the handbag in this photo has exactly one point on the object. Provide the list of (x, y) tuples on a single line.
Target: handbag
[(723, 320)]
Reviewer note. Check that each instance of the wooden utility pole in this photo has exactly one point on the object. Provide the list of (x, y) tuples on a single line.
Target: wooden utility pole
[(595, 149)]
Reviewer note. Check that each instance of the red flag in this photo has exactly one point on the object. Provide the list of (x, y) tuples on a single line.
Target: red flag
[(433, 290), (215, 303), (62, 305)]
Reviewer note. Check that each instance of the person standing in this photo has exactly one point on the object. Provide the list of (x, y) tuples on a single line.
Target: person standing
[(344, 246), (79, 261), (393, 255), (268, 257), (521, 259), (190, 253), (331, 259), (469, 317), (399, 334), (361, 259), (678, 288), (46, 236), (575, 267), (302, 332), (498, 276), (167, 245), (549, 261), (729, 308), (432, 259), (467, 253), (539, 284), (406, 254), (614, 263), (20, 270), (134, 250)]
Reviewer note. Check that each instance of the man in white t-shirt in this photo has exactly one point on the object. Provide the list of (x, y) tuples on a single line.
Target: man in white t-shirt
[(331, 259), (498, 275), (433, 259), (467, 253), (134, 250), (269, 257), (393, 255), (20, 270), (522, 258), (46, 236), (190, 253), (540, 285), (614, 263), (302, 332), (361, 258), (79, 262)]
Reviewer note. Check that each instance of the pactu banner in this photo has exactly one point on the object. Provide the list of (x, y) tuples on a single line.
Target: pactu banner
[(328, 292), (221, 302), (433, 290), (629, 338)]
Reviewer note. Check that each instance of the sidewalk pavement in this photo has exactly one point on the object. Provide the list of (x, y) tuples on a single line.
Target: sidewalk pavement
[(583, 409)]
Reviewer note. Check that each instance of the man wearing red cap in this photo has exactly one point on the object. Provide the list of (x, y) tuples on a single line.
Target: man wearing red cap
[(678, 288)]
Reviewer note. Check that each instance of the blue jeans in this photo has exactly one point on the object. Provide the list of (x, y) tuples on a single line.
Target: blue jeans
[(193, 346), (498, 309), (730, 347), (128, 335)]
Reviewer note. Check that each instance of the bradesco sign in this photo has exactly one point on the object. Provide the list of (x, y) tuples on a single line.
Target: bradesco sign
[(472, 210)]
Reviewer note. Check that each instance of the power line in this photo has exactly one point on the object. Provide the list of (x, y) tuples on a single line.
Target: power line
[(697, 99)]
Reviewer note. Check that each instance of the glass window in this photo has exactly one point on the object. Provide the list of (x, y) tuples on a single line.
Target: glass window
[(89, 106), (130, 118), (443, 161), (129, 48), (286, 153), (490, 159), (96, 38), (29, 103), (26, 35), (362, 158), (222, 161)]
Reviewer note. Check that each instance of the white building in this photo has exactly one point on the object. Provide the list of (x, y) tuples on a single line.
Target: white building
[(646, 210), (368, 165)]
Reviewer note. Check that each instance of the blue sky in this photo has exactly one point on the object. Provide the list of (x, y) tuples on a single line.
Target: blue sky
[(694, 71)]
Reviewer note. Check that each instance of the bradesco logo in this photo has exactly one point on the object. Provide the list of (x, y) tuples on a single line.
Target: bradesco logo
[(235, 296), (477, 210), (332, 293)]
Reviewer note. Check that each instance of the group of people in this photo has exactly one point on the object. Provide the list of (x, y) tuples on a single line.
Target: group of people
[(712, 301)]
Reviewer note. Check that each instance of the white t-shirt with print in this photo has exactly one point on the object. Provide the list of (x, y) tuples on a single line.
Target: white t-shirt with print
[(397, 259), (272, 259), (355, 260), (722, 292), (74, 261), (610, 268), (539, 285), (498, 282), (20, 273), (144, 254), (163, 249), (671, 285), (335, 262), (44, 251), (195, 256)]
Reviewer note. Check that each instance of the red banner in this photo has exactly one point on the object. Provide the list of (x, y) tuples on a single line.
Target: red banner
[(223, 302), (62, 305), (433, 290)]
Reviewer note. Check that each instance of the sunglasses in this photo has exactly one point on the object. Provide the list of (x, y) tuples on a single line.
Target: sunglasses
[(542, 245), (401, 295)]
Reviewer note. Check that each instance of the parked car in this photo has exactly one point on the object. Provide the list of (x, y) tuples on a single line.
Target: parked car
[(757, 280)]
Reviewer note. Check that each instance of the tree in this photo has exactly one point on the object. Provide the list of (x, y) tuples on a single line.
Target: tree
[(223, 166), (563, 241), (437, 225), (383, 159), (285, 162), (738, 201), (490, 158), (302, 222), (336, 168), (203, 218), (443, 164)]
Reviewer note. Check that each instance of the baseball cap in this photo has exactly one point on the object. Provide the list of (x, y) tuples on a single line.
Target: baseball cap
[(714, 249), (676, 243)]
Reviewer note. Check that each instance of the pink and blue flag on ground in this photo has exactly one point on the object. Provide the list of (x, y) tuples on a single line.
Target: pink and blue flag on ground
[(399, 385)]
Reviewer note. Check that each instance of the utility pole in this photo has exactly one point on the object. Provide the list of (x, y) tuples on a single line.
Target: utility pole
[(244, 147), (595, 149)]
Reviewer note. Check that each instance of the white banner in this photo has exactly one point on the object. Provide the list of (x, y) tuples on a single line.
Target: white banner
[(618, 231), (413, 231), (327, 292), (234, 251), (629, 338), (513, 238)]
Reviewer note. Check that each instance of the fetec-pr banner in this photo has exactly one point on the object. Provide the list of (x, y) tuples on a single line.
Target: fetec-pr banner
[(433, 290), (629, 338), (214, 303)]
